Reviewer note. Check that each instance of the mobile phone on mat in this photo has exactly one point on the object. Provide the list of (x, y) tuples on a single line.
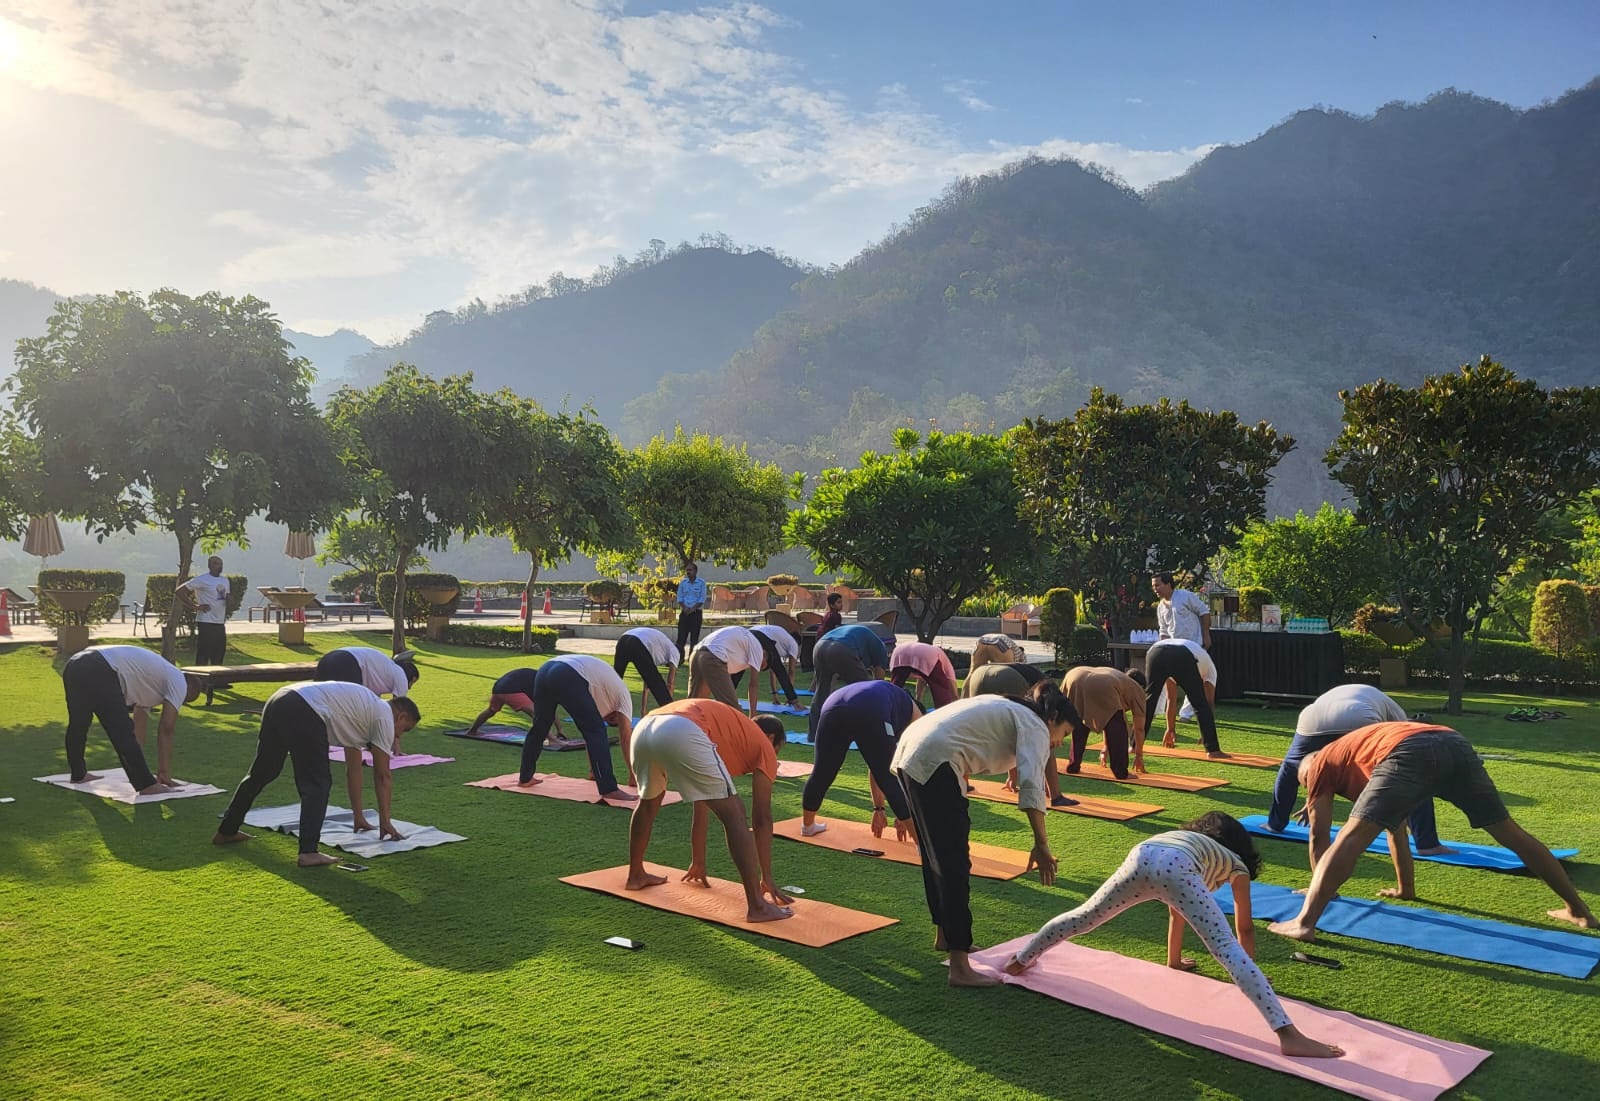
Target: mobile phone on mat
[(347, 866), (1319, 961), (868, 852), (624, 942)]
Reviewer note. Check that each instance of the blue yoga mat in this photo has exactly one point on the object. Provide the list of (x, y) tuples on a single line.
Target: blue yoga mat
[(1467, 855), (1548, 950), (781, 709), (796, 737)]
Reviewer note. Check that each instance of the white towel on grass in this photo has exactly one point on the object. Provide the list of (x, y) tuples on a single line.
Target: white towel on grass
[(113, 784), (338, 830)]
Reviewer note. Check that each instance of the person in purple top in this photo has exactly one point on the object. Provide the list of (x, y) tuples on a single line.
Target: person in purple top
[(846, 654), (870, 713)]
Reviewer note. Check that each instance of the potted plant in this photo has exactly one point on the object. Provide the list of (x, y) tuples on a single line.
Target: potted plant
[(781, 583), (1388, 626), (604, 594)]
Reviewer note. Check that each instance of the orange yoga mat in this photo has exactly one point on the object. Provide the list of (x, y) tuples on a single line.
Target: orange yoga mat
[(1116, 810), (815, 924), (1154, 748), (1166, 780), (844, 835), (564, 787)]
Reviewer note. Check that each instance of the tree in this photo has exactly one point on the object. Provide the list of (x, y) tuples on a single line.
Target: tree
[(429, 458), (931, 523), (1560, 620), (1455, 474), (364, 548), (696, 498), (1324, 565), (187, 414), (1120, 490), (567, 499)]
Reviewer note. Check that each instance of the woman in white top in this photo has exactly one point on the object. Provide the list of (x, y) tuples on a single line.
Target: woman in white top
[(1182, 868), (934, 757)]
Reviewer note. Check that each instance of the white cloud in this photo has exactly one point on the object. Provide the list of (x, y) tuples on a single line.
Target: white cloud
[(353, 161)]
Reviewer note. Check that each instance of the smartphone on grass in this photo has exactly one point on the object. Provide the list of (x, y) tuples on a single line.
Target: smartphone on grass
[(625, 942)]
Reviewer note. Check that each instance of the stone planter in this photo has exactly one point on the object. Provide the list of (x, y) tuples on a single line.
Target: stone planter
[(71, 638)]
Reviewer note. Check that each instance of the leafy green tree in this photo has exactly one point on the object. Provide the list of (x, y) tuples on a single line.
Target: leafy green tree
[(567, 497), (363, 547), (696, 498), (429, 458), (1560, 620), (1324, 565), (1455, 474), (933, 522), (1121, 490), (186, 414)]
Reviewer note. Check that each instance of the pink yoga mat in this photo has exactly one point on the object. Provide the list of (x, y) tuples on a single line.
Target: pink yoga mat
[(1381, 1062), (793, 770), (403, 760), (563, 787)]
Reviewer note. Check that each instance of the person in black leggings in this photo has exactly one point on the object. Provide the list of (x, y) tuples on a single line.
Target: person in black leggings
[(871, 714), (775, 664), (647, 649), (560, 684), (1173, 659)]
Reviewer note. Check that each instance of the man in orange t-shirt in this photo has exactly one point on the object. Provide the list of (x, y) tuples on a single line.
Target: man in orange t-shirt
[(1388, 769), (697, 746)]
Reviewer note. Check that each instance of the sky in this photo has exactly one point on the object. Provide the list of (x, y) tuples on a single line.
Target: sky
[(360, 163)]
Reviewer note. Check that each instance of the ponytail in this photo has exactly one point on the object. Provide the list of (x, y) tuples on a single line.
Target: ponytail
[(1050, 704)]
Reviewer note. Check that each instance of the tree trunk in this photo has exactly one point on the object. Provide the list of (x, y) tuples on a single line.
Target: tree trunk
[(398, 637), (169, 626), (527, 609), (1458, 669)]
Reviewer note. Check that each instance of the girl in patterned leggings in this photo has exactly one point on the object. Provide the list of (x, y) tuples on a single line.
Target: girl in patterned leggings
[(1182, 868)]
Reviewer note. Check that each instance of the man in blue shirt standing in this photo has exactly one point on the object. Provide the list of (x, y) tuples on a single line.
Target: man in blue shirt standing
[(691, 607)]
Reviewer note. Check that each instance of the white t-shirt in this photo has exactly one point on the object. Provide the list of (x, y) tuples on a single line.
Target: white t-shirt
[(610, 691), (1346, 708), (354, 716), (663, 651), (379, 671), (212, 591), (979, 737), (788, 648), (1208, 668), (1179, 616), (148, 679), (737, 648)]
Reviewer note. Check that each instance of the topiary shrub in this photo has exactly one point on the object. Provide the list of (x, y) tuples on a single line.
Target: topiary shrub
[(1368, 614), (604, 591), (160, 587), (353, 583), (417, 607), (1058, 615), (110, 582), (1560, 620), (1251, 599), (1090, 645), (543, 639), (1591, 593)]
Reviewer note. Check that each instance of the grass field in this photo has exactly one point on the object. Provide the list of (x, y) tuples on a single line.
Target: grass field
[(138, 961)]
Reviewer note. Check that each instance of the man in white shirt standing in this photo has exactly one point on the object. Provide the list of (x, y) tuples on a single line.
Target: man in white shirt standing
[(207, 597), (300, 722), (1181, 614)]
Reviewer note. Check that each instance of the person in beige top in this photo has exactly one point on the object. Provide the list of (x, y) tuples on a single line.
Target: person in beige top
[(1101, 696)]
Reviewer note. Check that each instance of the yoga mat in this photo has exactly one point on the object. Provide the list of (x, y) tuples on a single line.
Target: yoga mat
[(338, 831), (796, 737), (1165, 780), (1154, 748), (781, 709), (1381, 1062), (793, 770), (842, 835), (514, 735), (113, 784), (1467, 855), (815, 924), (403, 760), (1548, 950), (1116, 810), (569, 788)]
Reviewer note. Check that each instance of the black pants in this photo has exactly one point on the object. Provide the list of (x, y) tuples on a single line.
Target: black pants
[(689, 630), (865, 727), (339, 665), (289, 728), (210, 643), (95, 692), (939, 809), (630, 651), (1177, 663), (1117, 738), (560, 685), (833, 661), (776, 663)]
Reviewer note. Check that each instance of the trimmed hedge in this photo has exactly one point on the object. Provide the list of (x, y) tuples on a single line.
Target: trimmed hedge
[(1058, 617), (604, 590), (110, 582), (500, 638), (1089, 645), (1490, 662), (417, 608), (1362, 652), (159, 589), (1251, 598)]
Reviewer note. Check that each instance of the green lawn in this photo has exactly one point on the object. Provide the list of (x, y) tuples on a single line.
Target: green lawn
[(137, 961)]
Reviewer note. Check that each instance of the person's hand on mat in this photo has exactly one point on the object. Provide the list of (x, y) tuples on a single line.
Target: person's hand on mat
[(1303, 815), (1015, 966), (1138, 763), (904, 830), (1185, 963), (697, 875), (387, 832), (1045, 860), (879, 821), (1170, 740), (777, 896), (1395, 892), (360, 823)]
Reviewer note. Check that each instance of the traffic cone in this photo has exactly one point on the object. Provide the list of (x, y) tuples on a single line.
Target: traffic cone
[(522, 613), (548, 593), (5, 616), (299, 615), (477, 603)]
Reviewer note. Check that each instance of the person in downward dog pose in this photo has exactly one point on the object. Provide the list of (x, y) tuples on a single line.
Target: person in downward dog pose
[(872, 714)]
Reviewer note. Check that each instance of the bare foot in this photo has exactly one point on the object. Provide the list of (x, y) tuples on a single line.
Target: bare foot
[(962, 974), (1291, 1041), (220, 838), (531, 782), (1585, 920), (87, 776), (766, 911), (1437, 850), (638, 881), (617, 795), (1293, 930), (1217, 756), (158, 789), (316, 860)]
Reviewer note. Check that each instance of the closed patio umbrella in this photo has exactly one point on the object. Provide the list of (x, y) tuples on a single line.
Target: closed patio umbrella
[(300, 545), (44, 538)]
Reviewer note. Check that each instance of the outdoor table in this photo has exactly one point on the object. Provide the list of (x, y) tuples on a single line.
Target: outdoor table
[(1277, 663)]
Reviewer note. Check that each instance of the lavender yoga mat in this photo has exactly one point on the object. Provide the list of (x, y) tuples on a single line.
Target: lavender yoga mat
[(1381, 1062), (403, 760)]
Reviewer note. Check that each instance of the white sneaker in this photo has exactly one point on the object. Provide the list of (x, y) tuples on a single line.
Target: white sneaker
[(1186, 712), (813, 829)]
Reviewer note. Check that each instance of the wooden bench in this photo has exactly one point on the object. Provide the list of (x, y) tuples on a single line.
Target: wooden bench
[(1280, 699), (213, 677)]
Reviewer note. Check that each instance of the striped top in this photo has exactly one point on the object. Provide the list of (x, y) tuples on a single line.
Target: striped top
[(1217, 862)]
